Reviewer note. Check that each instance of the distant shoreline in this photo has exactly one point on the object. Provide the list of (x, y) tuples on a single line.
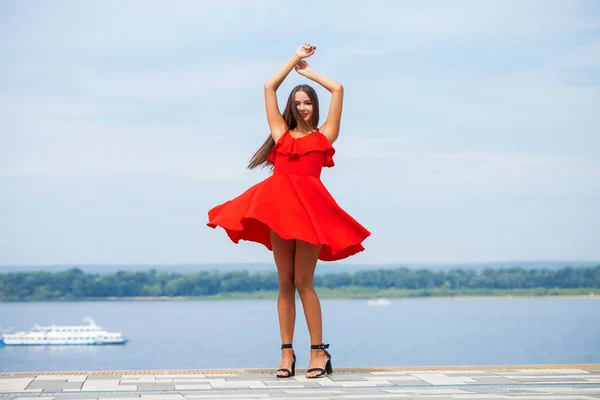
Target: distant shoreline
[(338, 294), (322, 268), (76, 285)]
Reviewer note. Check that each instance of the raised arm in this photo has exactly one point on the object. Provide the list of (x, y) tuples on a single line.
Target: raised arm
[(276, 123), (331, 127)]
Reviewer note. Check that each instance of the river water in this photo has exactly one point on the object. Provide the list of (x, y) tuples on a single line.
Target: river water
[(245, 334)]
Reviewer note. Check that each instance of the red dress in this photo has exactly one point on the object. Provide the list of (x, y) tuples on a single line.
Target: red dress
[(293, 202)]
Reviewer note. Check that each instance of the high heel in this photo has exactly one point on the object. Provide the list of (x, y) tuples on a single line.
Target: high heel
[(293, 371), (328, 370)]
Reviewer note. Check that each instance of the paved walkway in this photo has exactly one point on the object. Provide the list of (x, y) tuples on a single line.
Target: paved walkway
[(556, 382)]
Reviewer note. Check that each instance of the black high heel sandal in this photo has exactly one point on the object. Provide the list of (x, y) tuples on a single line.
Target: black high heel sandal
[(293, 371), (328, 370)]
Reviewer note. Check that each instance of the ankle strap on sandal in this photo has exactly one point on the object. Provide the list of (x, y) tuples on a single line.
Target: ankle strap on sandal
[(286, 346), (321, 346)]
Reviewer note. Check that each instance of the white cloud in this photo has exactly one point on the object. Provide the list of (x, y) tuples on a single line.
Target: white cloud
[(368, 147), (126, 28), (433, 23), (431, 177), (585, 55), (201, 165), (516, 175), (196, 82), (61, 146)]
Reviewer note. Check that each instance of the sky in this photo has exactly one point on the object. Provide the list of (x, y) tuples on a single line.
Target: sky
[(470, 129)]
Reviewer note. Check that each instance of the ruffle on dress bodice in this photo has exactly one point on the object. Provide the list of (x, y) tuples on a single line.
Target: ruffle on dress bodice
[(293, 148)]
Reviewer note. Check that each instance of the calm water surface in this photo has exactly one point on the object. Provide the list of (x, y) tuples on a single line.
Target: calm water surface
[(245, 334)]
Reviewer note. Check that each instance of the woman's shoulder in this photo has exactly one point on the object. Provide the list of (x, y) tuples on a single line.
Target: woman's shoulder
[(324, 131)]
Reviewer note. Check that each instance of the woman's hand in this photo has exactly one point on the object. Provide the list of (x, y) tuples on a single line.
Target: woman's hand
[(306, 50), (303, 68)]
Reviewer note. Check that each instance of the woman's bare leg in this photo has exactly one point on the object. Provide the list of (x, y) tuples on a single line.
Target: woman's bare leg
[(283, 253), (305, 262)]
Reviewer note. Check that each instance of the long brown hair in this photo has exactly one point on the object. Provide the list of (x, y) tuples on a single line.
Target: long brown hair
[(292, 117)]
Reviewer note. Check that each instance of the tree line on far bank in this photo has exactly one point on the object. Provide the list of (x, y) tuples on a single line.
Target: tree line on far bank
[(75, 284)]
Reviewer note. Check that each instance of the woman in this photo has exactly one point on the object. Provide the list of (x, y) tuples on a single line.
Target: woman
[(291, 212)]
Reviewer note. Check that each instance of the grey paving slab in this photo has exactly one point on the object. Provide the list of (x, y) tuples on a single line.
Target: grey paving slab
[(495, 380), (99, 377), (53, 386), (310, 384), (150, 386), (409, 383), (347, 377), (513, 383), (263, 378)]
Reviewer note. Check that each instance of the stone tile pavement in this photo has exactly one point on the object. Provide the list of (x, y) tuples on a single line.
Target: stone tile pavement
[(556, 382)]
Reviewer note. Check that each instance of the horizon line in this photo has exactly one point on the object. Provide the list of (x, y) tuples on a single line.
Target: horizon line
[(592, 261)]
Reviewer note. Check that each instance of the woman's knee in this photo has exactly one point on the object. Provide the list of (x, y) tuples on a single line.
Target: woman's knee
[(286, 284), (305, 262), (303, 284)]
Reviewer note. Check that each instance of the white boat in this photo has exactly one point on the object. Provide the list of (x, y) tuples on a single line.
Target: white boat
[(379, 302), (52, 335)]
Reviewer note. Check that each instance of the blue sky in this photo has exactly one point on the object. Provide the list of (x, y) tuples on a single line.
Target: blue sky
[(469, 132)]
